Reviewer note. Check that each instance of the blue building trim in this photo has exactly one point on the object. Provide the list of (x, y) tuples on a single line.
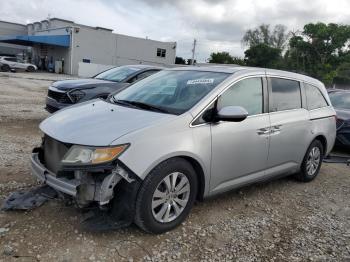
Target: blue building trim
[(29, 40)]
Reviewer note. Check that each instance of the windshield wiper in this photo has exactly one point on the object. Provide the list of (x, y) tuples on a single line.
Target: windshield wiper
[(141, 105), (122, 102)]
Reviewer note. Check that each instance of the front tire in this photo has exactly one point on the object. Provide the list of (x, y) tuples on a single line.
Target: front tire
[(166, 196), (312, 162), (5, 68)]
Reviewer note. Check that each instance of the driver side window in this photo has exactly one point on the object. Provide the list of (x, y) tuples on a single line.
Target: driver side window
[(247, 93), (142, 75)]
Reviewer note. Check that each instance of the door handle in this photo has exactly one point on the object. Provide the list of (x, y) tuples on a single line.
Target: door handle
[(276, 129), (263, 131)]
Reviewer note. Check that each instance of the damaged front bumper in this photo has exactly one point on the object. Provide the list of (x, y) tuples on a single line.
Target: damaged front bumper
[(84, 186), (69, 187)]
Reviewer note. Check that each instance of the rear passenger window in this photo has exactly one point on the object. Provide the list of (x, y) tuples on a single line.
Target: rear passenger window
[(247, 93), (10, 59), (285, 94), (314, 97)]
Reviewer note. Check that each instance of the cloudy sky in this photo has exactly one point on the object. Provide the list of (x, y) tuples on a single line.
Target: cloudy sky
[(218, 25)]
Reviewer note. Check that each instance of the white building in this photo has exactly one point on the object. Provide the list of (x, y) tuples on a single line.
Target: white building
[(62, 40), (8, 28)]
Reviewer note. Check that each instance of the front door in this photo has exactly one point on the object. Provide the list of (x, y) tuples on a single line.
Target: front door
[(240, 149)]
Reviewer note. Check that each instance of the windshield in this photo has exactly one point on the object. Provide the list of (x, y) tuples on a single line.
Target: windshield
[(173, 92), (117, 74), (340, 99)]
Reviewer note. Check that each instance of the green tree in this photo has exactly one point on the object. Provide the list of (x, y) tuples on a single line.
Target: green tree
[(318, 50), (225, 58), (262, 55), (238, 61), (179, 60), (220, 58), (276, 38), (343, 74)]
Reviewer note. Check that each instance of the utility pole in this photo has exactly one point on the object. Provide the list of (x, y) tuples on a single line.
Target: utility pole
[(193, 50)]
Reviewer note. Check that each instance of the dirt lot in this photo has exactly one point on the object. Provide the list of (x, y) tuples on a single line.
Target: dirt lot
[(281, 220)]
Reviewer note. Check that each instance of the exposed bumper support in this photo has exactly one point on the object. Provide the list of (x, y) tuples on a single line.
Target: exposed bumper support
[(69, 187), (84, 188)]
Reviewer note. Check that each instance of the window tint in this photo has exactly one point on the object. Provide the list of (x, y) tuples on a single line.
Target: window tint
[(285, 94), (314, 97), (247, 93)]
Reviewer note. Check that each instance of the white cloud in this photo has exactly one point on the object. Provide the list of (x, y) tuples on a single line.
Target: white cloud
[(218, 25)]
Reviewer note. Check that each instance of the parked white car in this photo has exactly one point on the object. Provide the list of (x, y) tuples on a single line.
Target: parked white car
[(8, 63)]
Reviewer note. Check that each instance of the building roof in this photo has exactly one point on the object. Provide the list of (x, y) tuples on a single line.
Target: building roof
[(2, 21), (63, 20)]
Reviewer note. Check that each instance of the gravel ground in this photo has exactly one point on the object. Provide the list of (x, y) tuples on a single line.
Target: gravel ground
[(282, 220)]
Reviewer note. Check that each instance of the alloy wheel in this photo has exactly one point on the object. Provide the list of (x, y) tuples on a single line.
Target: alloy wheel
[(313, 161), (170, 197)]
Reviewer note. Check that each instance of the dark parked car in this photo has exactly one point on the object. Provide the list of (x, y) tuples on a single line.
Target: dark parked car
[(341, 103), (68, 92)]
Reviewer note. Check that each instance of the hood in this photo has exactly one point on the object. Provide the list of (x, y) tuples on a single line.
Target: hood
[(84, 83), (343, 113), (98, 123)]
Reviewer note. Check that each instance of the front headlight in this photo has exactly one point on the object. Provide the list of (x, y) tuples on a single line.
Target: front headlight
[(76, 95), (81, 155)]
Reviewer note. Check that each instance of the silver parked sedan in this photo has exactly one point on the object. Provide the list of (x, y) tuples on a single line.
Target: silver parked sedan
[(146, 154)]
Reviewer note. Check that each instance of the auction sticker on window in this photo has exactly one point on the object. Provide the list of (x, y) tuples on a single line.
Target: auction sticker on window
[(200, 81)]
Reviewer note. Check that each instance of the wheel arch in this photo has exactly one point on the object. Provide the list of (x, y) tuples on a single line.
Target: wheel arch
[(197, 166), (323, 141), (200, 175)]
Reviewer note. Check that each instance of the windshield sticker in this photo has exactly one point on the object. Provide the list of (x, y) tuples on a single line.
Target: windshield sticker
[(200, 81)]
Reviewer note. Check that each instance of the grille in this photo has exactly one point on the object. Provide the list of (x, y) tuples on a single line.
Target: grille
[(344, 139), (59, 97), (339, 123), (54, 151)]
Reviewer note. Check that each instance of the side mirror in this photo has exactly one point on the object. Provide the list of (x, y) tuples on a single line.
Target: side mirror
[(232, 114)]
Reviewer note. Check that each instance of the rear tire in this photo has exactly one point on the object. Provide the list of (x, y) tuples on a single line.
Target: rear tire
[(166, 196), (311, 163), (30, 69)]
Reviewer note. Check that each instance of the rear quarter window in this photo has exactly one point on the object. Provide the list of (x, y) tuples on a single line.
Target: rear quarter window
[(314, 97)]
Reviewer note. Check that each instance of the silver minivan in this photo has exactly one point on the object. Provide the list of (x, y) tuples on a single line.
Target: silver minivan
[(147, 153)]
